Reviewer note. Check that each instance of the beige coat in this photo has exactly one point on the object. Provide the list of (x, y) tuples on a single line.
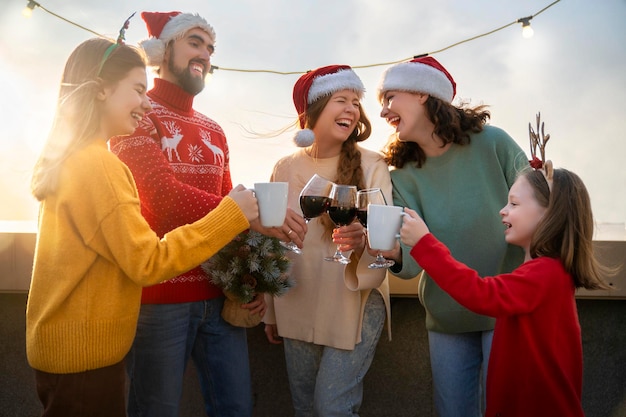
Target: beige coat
[(326, 304)]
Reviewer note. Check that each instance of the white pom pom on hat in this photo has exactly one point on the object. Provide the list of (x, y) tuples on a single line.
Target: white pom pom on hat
[(304, 138), (317, 84), (420, 75), (165, 26)]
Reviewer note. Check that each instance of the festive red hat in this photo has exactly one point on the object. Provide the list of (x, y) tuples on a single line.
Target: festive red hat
[(319, 83), (165, 26), (420, 75)]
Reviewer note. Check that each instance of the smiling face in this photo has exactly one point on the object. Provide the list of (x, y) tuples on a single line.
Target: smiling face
[(124, 104), (338, 119), (405, 112), (189, 60), (521, 215)]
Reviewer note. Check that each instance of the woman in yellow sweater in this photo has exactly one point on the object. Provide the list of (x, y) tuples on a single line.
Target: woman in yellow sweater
[(94, 249)]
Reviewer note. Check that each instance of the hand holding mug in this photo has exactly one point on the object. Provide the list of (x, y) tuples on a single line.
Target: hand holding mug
[(246, 201), (383, 229), (272, 198), (413, 228)]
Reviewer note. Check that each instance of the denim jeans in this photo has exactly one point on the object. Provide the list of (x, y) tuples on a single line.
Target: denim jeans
[(167, 335), (459, 366), (328, 382)]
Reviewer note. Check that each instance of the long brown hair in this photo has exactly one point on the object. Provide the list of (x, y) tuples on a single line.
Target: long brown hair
[(349, 169), (452, 124), (77, 116), (566, 229)]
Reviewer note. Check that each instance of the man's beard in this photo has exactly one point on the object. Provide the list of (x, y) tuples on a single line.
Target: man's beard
[(192, 85)]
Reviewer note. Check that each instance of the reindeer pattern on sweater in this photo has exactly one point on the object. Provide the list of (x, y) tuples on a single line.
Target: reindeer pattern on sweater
[(180, 162), (195, 153)]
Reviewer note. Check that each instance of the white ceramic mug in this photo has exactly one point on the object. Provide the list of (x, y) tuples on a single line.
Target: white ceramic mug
[(383, 225), (272, 200)]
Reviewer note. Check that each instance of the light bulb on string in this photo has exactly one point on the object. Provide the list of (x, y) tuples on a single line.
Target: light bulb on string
[(527, 30), (28, 10)]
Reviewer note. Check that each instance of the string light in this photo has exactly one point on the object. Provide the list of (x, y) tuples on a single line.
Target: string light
[(28, 10), (527, 32)]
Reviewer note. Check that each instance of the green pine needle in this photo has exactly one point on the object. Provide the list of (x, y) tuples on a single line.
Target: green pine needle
[(251, 257)]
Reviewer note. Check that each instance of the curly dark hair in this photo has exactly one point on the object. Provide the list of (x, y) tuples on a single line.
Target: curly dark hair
[(452, 125)]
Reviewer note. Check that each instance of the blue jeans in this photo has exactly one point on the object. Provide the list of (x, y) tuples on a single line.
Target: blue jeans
[(167, 335), (459, 366), (325, 381)]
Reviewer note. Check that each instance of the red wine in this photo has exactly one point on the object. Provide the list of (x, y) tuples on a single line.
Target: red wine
[(313, 205), (362, 216), (342, 216)]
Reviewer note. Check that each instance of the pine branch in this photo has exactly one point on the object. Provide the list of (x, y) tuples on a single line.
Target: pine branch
[(251, 263)]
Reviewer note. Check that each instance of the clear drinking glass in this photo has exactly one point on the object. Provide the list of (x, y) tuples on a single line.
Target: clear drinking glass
[(315, 197), (342, 211), (314, 201), (363, 199)]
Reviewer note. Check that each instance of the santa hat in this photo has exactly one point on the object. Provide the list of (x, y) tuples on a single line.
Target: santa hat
[(420, 75), (319, 83), (165, 26)]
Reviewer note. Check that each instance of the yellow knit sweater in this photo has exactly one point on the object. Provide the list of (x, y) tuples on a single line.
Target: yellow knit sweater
[(94, 253)]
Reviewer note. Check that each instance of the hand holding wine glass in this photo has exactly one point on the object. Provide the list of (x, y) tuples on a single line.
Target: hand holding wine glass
[(342, 211), (314, 200)]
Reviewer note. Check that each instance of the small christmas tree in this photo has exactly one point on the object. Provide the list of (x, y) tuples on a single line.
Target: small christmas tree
[(250, 264)]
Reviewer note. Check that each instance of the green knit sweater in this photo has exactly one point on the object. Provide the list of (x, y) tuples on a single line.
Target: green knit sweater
[(459, 195), (94, 253)]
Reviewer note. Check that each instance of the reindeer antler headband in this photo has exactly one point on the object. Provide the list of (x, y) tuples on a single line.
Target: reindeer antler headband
[(540, 139), (120, 41)]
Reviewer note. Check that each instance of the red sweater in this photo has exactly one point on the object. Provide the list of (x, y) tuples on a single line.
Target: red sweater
[(536, 362), (179, 160)]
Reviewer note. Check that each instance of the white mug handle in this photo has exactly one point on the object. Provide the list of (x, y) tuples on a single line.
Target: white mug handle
[(401, 215)]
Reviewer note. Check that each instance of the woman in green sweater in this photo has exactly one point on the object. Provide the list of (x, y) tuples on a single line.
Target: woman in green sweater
[(94, 249), (456, 172)]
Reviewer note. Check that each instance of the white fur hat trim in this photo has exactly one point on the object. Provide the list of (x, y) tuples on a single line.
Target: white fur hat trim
[(331, 83), (175, 28), (418, 78)]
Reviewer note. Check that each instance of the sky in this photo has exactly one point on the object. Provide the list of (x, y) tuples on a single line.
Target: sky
[(573, 71)]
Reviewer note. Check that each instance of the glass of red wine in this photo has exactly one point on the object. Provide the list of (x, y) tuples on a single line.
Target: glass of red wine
[(342, 211), (314, 200), (315, 197), (363, 199)]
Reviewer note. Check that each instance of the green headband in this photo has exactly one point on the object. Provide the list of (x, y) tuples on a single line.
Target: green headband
[(120, 41)]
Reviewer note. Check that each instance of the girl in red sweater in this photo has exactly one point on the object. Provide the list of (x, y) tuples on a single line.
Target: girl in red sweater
[(536, 362)]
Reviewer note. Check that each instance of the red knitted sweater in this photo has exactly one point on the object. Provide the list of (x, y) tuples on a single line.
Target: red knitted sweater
[(179, 159), (536, 361)]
